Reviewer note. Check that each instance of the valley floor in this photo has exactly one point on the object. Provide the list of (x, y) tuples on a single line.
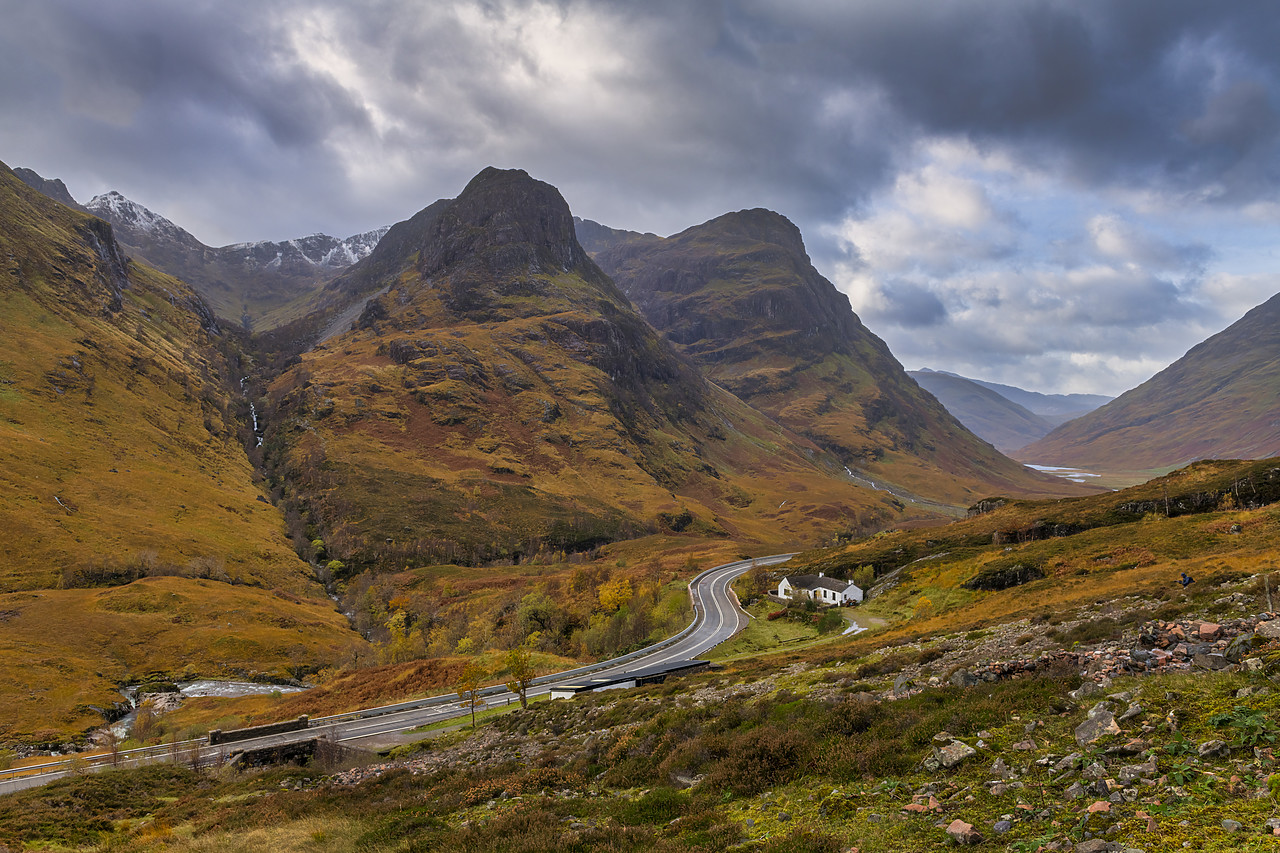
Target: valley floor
[(1063, 734)]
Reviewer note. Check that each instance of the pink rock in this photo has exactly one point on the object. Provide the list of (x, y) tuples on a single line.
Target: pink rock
[(1209, 630), (963, 833), (1100, 806)]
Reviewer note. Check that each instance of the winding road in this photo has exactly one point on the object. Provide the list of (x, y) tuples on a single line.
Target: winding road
[(717, 617)]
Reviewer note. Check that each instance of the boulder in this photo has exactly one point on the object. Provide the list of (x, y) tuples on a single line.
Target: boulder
[(1213, 749), (1096, 845), (1084, 691), (1133, 772), (954, 753), (963, 833), (1210, 661), (1099, 724)]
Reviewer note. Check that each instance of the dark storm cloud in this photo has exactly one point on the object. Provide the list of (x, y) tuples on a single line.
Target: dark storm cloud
[(803, 107), (268, 119)]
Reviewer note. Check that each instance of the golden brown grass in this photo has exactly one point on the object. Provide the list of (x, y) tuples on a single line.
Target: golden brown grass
[(121, 456)]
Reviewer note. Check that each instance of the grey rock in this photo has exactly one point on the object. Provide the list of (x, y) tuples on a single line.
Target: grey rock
[(954, 753), (1132, 711), (1002, 826), (1213, 749), (1076, 791), (1099, 724), (784, 816), (964, 678), (1232, 825), (1096, 845), (1066, 763), (1094, 771), (1085, 690), (1210, 661), (1133, 772), (1001, 770)]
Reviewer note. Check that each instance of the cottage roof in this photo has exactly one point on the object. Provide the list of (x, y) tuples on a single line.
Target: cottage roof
[(818, 582)]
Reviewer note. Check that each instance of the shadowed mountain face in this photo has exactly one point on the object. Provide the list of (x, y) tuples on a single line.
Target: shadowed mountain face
[(498, 396), (739, 295), (1219, 401), (260, 285), (134, 538)]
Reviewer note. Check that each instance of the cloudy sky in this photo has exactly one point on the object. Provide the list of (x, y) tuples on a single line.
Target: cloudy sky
[(1065, 196)]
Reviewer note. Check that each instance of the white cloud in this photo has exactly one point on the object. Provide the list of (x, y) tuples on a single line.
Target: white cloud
[(972, 263)]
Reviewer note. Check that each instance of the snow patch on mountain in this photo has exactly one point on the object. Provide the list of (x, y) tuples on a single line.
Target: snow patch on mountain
[(122, 212), (318, 250)]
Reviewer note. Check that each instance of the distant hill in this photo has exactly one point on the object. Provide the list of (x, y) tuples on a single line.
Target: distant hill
[(988, 413), (259, 285), (1056, 409), (1219, 401), (740, 297)]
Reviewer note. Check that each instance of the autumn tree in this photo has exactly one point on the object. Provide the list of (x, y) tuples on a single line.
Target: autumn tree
[(469, 690), (614, 594), (864, 576), (520, 669)]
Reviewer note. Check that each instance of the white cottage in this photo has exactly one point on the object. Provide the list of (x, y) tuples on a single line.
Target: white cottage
[(820, 588)]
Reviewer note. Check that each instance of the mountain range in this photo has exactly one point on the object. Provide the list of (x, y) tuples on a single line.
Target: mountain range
[(488, 384), (1008, 417), (260, 285)]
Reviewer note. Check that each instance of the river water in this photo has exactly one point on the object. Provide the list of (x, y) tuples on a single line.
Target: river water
[(204, 687)]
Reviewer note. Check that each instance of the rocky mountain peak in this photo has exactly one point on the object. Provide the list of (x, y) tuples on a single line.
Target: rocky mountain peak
[(54, 188), (512, 220), (758, 225), (134, 220)]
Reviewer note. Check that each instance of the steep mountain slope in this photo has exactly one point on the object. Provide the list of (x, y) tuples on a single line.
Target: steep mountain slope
[(1218, 401), (260, 285), (988, 414), (739, 296), (134, 538), (501, 397)]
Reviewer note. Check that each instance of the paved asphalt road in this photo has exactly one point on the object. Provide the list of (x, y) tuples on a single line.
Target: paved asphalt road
[(717, 617)]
